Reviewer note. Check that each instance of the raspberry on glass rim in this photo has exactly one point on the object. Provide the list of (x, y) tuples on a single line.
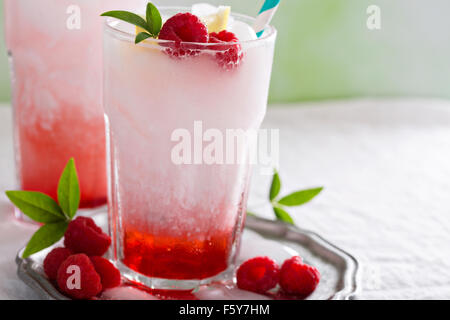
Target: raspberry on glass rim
[(230, 55), (186, 30), (183, 28)]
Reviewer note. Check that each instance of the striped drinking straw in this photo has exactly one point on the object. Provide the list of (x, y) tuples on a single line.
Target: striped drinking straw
[(265, 16)]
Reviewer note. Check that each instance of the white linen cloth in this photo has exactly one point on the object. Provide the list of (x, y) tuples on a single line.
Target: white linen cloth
[(385, 165)]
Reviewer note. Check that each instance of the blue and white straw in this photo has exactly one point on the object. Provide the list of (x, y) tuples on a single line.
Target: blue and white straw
[(265, 16)]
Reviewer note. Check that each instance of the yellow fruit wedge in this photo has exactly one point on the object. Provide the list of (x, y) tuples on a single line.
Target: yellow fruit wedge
[(219, 20), (139, 30), (149, 40)]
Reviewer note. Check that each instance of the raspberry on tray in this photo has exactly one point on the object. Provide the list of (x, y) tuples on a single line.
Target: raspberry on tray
[(84, 236), (78, 278), (297, 278), (258, 275), (53, 261), (109, 274)]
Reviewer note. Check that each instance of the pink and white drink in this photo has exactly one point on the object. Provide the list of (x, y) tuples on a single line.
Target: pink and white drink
[(177, 223), (56, 61)]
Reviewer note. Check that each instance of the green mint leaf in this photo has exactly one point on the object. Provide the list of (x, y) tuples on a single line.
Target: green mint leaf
[(154, 20), (300, 197), (37, 206), (275, 187), (46, 236), (69, 190), (282, 215), (128, 17), (249, 213), (141, 37)]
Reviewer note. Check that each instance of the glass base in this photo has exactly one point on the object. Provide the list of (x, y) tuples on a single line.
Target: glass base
[(170, 284)]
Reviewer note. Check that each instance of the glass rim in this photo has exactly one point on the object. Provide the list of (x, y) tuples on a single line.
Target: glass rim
[(269, 33)]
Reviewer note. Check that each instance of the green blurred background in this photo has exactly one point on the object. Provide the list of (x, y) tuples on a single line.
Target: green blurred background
[(325, 50)]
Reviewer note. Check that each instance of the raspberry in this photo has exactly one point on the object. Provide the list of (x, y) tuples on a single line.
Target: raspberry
[(53, 261), (223, 36), (84, 236), (297, 278), (182, 28), (109, 274), (258, 275), (78, 279), (230, 55)]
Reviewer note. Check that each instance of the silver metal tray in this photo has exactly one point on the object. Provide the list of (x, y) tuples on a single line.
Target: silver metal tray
[(338, 268)]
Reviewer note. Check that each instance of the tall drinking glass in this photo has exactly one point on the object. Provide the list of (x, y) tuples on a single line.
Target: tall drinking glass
[(55, 50), (176, 214)]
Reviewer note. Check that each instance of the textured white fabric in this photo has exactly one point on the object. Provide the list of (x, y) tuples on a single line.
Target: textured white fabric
[(385, 165)]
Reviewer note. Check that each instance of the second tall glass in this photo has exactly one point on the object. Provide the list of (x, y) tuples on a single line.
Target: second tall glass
[(55, 50)]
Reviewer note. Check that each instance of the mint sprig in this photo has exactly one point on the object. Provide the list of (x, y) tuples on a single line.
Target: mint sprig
[(37, 206), (294, 199), (282, 215), (46, 236), (300, 197), (154, 20), (54, 216), (69, 190), (275, 186), (152, 24)]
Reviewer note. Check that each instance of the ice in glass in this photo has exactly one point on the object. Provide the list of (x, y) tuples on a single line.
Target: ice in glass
[(178, 224)]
